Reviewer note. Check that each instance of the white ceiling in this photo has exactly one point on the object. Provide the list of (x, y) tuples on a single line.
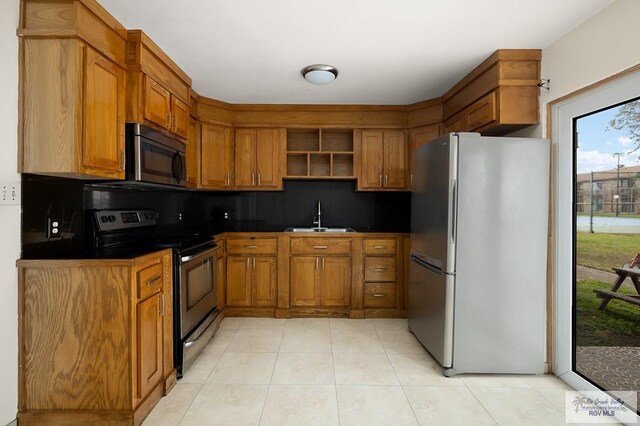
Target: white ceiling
[(387, 51)]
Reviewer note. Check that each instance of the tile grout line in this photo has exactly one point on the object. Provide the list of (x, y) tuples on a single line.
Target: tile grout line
[(202, 384), (564, 414), (191, 404), (480, 402), (264, 403), (415, 416), (333, 364)]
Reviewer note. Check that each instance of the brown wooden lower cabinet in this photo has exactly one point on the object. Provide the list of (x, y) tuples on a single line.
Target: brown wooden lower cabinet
[(285, 275), (251, 281), (96, 339), (320, 281)]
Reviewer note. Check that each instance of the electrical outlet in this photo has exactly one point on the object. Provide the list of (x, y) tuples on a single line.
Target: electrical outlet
[(10, 193), (54, 227), (226, 215)]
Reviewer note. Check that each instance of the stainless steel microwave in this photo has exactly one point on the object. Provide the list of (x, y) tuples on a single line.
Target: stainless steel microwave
[(153, 157)]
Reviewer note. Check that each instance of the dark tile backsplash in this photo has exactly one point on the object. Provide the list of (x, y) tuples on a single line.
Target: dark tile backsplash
[(183, 212)]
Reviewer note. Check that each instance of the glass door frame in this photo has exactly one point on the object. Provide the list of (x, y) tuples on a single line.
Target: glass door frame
[(562, 117)]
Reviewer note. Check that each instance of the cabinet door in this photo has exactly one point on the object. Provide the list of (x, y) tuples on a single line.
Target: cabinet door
[(216, 157), (454, 124), (157, 103), (193, 154), (417, 138), (220, 281), (268, 158), (179, 117), (149, 330), (394, 159), (245, 159), (305, 280), (371, 163), (336, 281), (264, 282), (104, 114), (481, 112), (238, 281)]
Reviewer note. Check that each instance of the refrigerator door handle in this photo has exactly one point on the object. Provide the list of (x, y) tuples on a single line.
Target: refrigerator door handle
[(453, 210), (421, 263)]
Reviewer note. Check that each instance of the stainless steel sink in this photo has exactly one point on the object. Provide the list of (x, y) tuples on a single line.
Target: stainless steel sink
[(319, 230)]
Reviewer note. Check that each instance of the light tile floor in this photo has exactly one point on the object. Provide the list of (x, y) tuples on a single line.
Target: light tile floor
[(344, 372)]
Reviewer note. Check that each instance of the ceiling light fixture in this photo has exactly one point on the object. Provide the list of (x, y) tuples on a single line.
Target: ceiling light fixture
[(319, 73)]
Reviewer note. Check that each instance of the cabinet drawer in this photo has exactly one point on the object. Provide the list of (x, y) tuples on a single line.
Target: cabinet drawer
[(379, 295), (379, 268), (380, 246), (252, 245), (149, 281), (321, 246), (481, 112)]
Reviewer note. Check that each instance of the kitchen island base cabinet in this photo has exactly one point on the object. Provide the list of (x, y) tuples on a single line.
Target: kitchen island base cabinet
[(96, 339)]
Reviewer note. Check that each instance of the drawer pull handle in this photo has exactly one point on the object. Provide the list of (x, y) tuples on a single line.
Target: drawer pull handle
[(251, 247), (378, 295), (379, 247), (379, 269), (153, 279), (319, 247)]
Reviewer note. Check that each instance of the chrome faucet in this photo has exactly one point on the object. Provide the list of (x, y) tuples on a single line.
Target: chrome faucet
[(318, 219)]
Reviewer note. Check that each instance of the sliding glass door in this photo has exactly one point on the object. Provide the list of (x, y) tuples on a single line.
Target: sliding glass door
[(596, 229), (606, 291)]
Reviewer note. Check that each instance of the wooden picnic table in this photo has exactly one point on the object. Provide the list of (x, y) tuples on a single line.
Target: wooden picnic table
[(623, 273)]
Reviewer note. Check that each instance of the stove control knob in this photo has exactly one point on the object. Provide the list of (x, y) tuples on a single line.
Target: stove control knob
[(103, 219), (112, 218)]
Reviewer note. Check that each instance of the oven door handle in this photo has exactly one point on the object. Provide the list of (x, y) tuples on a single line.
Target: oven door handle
[(206, 253)]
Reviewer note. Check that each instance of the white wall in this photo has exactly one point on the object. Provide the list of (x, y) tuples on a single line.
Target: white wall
[(9, 215), (604, 45)]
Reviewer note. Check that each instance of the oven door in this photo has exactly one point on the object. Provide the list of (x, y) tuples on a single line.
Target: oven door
[(198, 290)]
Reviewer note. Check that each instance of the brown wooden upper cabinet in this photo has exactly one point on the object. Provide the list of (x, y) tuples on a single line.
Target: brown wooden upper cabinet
[(216, 157), (158, 90), (499, 96), (259, 158), (382, 164), (165, 109), (193, 154), (72, 106), (418, 137)]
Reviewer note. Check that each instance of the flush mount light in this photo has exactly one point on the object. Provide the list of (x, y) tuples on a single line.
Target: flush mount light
[(319, 73)]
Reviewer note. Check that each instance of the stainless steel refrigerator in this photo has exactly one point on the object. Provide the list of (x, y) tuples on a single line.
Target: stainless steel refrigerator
[(478, 252)]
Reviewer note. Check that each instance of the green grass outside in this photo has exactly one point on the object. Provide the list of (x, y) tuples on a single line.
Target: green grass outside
[(605, 251), (617, 325)]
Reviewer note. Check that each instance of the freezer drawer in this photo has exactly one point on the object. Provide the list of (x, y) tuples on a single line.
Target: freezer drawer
[(431, 310)]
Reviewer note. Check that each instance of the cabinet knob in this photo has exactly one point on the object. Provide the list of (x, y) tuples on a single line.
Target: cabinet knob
[(320, 247)]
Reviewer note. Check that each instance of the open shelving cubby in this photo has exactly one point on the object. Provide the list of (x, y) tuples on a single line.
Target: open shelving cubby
[(320, 153)]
